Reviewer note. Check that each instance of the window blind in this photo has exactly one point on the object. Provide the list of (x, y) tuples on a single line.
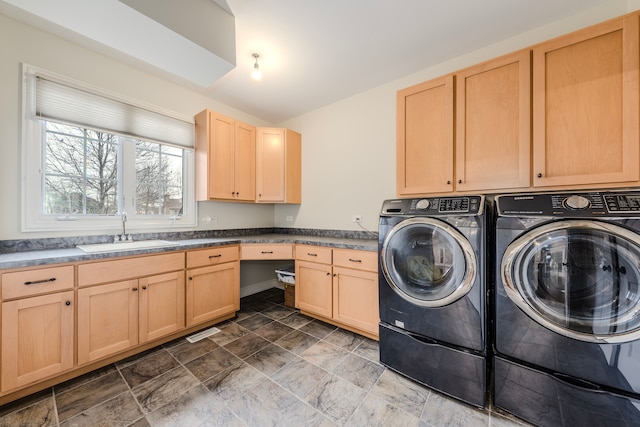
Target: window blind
[(61, 102)]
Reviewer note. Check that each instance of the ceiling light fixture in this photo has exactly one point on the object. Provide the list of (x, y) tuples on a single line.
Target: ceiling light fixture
[(256, 74)]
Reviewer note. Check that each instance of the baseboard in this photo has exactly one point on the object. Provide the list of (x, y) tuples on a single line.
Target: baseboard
[(259, 287)]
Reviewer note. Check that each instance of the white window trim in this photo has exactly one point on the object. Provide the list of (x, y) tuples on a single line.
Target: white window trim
[(34, 220)]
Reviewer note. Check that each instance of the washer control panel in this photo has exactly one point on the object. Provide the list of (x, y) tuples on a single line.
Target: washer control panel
[(581, 205), (433, 206)]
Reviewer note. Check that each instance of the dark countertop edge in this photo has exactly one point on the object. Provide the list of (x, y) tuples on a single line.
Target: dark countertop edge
[(69, 255)]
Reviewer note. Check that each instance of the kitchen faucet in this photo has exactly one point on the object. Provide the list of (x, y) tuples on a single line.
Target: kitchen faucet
[(123, 237)]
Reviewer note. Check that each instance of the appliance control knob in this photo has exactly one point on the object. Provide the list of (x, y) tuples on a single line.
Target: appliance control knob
[(423, 204), (577, 202)]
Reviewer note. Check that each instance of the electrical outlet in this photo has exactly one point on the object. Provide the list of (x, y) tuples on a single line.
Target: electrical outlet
[(289, 218), (357, 218)]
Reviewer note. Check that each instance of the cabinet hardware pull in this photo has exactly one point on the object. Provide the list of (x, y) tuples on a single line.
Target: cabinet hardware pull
[(190, 278), (310, 254), (215, 256), (328, 274), (355, 260), (459, 181), (267, 252), (144, 288), (35, 282), (67, 303), (134, 289), (448, 182), (539, 175)]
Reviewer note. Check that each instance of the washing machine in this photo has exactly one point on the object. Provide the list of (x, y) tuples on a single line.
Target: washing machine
[(567, 308), (432, 293)]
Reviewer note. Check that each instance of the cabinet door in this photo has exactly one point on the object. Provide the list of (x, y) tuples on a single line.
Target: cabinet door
[(37, 338), (355, 298), (161, 305), (221, 157), (244, 162), (493, 124), (425, 138), (270, 165), (313, 288), (212, 292), (107, 319), (585, 106)]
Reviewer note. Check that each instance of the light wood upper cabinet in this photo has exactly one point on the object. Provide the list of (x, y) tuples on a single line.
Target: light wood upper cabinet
[(425, 138), (37, 338), (278, 166), (585, 106), (493, 124), (225, 158)]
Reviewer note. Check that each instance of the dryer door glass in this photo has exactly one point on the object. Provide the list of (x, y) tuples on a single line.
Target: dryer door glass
[(579, 278), (428, 262)]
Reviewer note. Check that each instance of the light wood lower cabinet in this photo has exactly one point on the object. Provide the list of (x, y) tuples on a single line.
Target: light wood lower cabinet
[(37, 338), (342, 288), (213, 290), (117, 316)]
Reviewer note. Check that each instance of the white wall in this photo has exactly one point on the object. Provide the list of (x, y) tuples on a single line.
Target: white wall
[(348, 147), (348, 155)]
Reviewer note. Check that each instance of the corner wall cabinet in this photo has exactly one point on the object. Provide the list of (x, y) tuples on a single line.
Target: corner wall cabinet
[(278, 166), (339, 286), (225, 158), (561, 114)]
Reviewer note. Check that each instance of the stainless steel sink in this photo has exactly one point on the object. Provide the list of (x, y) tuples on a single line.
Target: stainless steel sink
[(125, 246)]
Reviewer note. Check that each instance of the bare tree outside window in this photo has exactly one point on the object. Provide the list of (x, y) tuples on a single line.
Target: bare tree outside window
[(158, 179)]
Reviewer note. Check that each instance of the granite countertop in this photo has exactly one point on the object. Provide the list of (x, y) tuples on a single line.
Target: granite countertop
[(30, 258)]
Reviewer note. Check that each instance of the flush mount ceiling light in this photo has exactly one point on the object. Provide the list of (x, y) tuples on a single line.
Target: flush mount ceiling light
[(256, 74)]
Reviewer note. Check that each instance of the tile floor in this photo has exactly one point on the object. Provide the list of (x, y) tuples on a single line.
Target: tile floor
[(268, 366)]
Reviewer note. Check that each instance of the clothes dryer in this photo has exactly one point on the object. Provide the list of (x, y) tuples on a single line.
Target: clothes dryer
[(432, 264), (567, 308)]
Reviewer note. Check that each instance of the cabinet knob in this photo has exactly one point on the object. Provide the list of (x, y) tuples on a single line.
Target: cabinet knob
[(67, 303), (539, 175), (144, 288), (448, 182), (459, 181), (134, 289), (328, 274)]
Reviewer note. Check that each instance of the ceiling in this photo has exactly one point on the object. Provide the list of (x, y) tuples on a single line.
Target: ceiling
[(314, 53)]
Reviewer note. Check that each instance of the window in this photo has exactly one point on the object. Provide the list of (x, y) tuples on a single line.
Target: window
[(87, 158)]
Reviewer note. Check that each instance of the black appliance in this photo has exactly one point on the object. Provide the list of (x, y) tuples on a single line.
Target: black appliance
[(567, 308), (432, 275)]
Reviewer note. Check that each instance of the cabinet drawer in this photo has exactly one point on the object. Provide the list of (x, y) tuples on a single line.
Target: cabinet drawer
[(129, 268), (360, 260), (212, 256), (273, 251), (32, 282), (313, 254)]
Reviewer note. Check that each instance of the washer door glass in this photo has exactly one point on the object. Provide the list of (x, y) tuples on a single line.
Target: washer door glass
[(428, 262), (578, 278)]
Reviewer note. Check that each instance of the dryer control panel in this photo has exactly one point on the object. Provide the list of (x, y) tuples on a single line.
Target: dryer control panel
[(434, 206), (570, 205)]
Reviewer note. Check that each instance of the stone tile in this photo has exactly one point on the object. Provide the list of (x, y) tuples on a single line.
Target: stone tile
[(270, 359), (345, 339), (297, 341), (26, 401), (254, 322), (148, 367), (299, 376), (359, 371), (41, 413), (401, 392), (164, 388), (374, 412), (137, 357), (196, 407), (244, 313), (83, 379), (304, 415), (318, 328), (122, 410), (212, 363), (260, 305), (229, 332), (187, 351), (247, 345), (369, 349), (142, 422), (325, 355), (500, 420), (444, 411), (296, 320), (273, 331), (78, 399), (277, 312), (264, 405), (232, 382), (336, 398)]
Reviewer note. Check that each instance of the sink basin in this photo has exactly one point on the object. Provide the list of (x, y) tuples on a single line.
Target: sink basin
[(125, 246)]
